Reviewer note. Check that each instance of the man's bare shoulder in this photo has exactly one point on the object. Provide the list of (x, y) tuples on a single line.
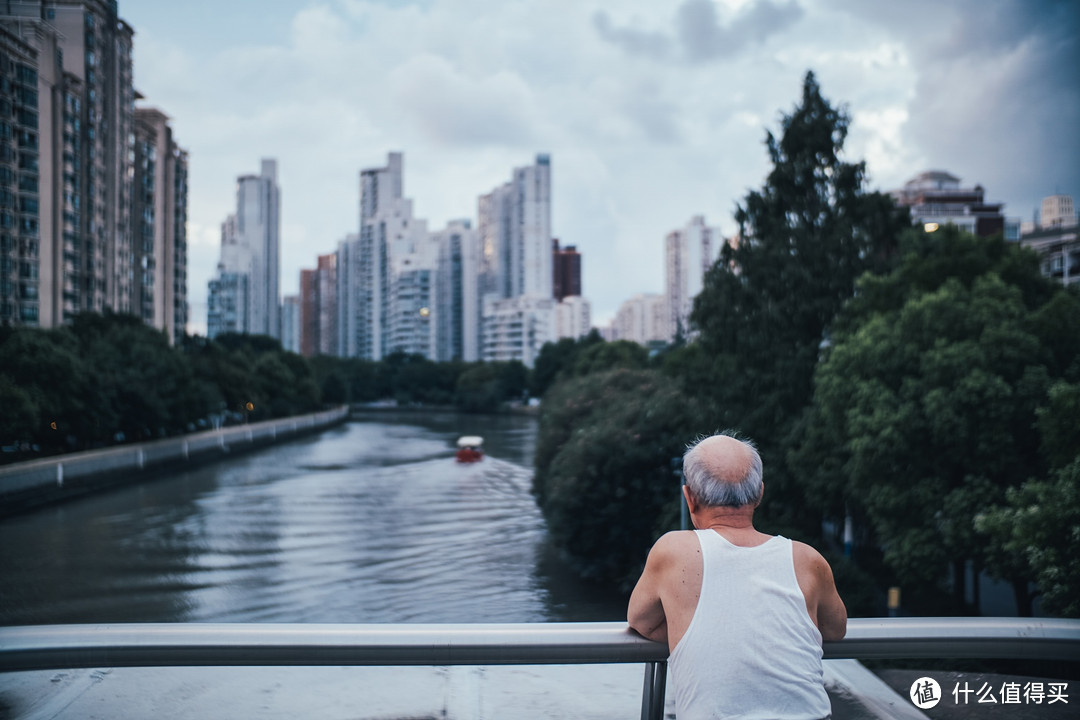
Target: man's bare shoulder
[(675, 546), (808, 559)]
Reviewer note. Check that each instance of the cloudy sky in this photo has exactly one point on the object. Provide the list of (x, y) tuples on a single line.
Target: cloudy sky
[(652, 111)]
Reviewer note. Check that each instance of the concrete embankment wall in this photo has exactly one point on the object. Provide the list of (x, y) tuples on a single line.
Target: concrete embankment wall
[(38, 482)]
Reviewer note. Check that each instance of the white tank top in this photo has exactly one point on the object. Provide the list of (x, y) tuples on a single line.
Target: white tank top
[(751, 650)]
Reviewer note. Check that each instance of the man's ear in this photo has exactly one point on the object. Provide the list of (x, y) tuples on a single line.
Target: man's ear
[(691, 501)]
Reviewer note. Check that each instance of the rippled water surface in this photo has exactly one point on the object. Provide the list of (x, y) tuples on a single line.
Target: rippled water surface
[(372, 521)]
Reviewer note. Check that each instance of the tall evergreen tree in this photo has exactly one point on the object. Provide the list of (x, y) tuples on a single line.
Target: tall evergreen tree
[(767, 304)]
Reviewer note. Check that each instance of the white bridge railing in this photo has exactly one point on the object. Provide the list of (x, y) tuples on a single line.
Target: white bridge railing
[(45, 647)]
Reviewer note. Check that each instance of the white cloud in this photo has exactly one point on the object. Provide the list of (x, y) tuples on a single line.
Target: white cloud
[(449, 108)]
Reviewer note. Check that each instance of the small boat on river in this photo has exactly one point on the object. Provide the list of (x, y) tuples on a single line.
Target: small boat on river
[(470, 449)]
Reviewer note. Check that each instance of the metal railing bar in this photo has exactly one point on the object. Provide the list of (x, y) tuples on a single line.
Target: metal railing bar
[(195, 644), (992, 637)]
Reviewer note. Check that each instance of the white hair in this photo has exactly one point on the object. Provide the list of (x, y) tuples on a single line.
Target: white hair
[(712, 491)]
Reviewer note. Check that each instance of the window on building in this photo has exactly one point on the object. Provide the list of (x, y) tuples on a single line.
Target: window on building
[(26, 75)]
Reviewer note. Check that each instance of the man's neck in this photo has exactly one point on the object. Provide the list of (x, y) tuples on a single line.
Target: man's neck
[(735, 524), (725, 518)]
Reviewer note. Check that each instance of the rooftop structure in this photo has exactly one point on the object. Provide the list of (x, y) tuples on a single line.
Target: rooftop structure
[(936, 198)]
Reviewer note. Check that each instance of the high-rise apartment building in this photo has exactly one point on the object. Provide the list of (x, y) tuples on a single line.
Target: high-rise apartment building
[(228, 304), (309, 313), (318, 319), (69, 148), (250, 246), (385, 271), (348, 314), (573, 317), (159, 213), (290, 323), (688, 255), (494, 223), (328, 333), (97, 47), (514, 223), (514, 228), (412, 299), (457, 294), (642, 319), (566, 266), (25, 67)]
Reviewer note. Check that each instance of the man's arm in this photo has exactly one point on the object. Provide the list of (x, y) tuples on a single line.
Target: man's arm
[(832, 614), (822, 599), (646, 611)]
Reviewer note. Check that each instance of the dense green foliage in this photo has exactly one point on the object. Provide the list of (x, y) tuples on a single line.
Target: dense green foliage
[(603, 467), (110, 378), (574, 358), (1038, 530), (927, 406)]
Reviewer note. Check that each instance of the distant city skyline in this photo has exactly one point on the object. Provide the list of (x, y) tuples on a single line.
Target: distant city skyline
[(652, 113)]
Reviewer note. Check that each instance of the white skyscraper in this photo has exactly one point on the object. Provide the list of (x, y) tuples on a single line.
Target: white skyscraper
[(688, 255), (514, 225), (385, 272), (250, 247), (514, 229)]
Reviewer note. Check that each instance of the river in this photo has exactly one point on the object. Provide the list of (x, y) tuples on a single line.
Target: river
[(371, 521)]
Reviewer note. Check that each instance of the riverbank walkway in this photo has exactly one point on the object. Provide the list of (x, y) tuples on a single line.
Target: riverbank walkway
[(26, 485)]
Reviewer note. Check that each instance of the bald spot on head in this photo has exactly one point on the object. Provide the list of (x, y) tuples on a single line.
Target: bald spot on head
[(722, 470), (725, 458)]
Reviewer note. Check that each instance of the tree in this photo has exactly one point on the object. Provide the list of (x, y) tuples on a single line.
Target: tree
[(20, 420), (557, 357), (1040, 524), (926, 404), (597, 357), (767, 304), (485, 387), (47, 369), (603, 467)]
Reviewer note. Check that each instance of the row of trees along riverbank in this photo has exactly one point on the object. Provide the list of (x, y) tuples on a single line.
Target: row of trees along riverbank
[(109, 379), (924, 385)]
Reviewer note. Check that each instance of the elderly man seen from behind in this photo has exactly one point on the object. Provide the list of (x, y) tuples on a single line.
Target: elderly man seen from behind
[(743, 613)]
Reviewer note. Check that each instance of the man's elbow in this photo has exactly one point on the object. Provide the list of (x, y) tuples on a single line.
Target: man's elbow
[(834, 622), (655, 631), (833, 631)]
